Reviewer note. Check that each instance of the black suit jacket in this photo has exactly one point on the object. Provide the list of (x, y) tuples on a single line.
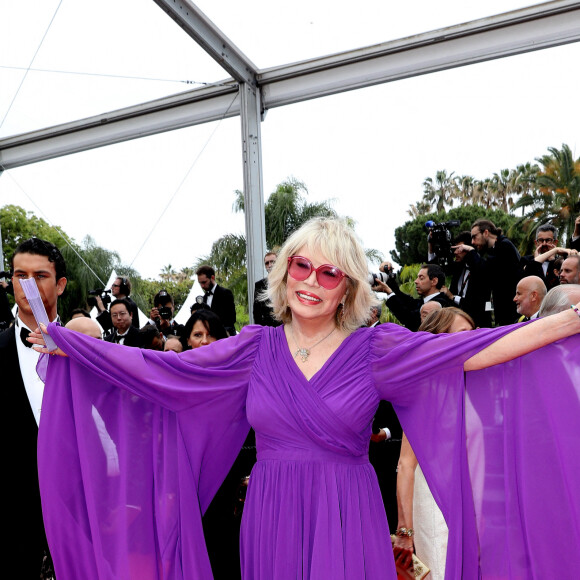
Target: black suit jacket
[(503, 271), (223, 305), (384, 457), (25, 542), (574, 244), (262, 312), (477, 293), (133, 337), (532, 268), (408, 309), (104, 318)]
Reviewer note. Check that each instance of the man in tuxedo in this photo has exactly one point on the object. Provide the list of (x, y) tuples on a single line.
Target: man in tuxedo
[(469, 288), (120, 288), (530, 292), (25, 545), (541, 263), (123, 331), (220, 300), (407, 309), (262, 312), (501, 268)]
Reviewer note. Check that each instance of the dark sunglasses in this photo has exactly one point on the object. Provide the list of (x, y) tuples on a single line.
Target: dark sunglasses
[(328, 276)]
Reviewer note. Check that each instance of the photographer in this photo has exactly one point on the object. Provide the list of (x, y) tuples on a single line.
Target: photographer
[(440, 250), (501, 267), (161, 315), (469, 288), (120, 288), (407, 309)]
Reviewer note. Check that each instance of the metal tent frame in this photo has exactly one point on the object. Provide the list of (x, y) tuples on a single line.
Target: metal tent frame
[(534, 28)]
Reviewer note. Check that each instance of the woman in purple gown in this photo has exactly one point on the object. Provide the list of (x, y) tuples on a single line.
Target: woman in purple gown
[(309, 389)]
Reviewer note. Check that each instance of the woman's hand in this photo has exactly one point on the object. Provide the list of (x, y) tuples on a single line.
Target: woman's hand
[(38, 343), (403, 552)]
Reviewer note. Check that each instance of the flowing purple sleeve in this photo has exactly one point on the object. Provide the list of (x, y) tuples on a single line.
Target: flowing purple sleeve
[(126, 473), (472, 447), (523, 450)]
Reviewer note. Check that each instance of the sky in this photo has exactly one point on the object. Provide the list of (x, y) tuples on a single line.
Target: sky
[(165, 199)]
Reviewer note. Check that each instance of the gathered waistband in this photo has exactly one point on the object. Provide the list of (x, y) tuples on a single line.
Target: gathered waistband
[(311, 456)]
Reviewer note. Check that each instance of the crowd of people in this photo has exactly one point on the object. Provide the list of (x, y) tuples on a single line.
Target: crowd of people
[(307, 379)]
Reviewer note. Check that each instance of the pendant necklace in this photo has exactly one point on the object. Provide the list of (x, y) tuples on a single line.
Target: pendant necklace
[(303, 351)]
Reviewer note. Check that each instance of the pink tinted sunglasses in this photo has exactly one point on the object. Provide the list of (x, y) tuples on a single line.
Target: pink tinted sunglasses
[(328, 276)]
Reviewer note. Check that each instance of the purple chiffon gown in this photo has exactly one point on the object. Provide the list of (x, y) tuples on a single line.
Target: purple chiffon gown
[(126, 473)]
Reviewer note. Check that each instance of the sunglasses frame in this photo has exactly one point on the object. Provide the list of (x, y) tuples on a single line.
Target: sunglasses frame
[(340, 273)]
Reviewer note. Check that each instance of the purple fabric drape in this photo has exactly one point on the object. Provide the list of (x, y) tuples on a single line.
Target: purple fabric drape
[(125, 473)]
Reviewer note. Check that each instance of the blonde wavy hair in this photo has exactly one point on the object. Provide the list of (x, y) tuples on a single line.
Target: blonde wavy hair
[(440, 321), (333, 238)]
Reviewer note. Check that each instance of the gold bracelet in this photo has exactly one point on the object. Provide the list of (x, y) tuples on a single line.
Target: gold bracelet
[(405, 532)]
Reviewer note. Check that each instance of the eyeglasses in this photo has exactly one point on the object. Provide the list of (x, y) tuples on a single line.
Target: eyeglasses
[(328, 276), (119, 314), (115, 285), (545, 241), (268, 262)]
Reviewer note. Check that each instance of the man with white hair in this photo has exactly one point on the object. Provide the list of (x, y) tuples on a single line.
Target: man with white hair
[(559, 299), (530, 292)]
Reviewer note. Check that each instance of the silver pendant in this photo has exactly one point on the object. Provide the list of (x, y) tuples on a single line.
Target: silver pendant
[(304, 354)]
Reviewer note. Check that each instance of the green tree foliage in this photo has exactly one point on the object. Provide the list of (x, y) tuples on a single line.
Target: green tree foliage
[(88, 268), (286, 210), (179, 290), (19, 225), (555, 197), (411, 238), (228, 258)]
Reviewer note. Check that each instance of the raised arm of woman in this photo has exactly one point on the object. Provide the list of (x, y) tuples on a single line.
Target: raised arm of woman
[(527, 338)]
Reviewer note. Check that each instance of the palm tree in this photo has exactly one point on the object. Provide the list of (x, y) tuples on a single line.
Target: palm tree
[(419, 209), (440, 192), (464, 189), (503, 186), (167, 274), (556, 195)]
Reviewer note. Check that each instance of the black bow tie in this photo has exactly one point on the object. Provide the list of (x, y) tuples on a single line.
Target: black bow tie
[(24, 332)]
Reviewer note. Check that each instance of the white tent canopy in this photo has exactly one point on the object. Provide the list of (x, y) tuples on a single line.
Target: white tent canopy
[(143, 318), (185, 310)]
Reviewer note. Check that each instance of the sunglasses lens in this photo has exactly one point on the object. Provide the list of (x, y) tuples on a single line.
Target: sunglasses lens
[(299, 268), (329, 277)]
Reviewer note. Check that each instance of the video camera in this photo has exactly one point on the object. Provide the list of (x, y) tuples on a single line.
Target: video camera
[(440, 238), (104, 294)]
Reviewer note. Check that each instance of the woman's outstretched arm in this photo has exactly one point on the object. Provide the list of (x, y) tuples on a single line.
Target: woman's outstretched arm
[(526, 338)]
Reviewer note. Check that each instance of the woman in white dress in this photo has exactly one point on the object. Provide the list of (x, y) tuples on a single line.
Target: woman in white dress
[(420, 522)]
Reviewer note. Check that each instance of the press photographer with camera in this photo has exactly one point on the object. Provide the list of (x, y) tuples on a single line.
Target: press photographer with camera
[(469, 288), (439, 242), (501, 267), (161, 315), (120, 288), (428, 284)]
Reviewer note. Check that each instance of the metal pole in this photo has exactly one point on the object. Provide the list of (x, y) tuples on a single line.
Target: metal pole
[(253, 189)]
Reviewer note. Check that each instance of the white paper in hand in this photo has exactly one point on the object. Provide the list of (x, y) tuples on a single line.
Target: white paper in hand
[(35, 300)]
